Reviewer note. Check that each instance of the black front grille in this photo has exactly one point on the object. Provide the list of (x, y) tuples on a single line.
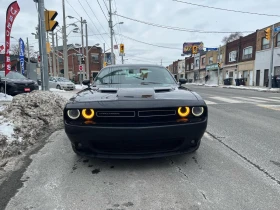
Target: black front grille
[(115, 113), (155, 113), (22, 86)]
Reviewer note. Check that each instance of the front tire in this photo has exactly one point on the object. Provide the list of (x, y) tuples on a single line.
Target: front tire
[(58, 87), (75, 149), (197, 147)]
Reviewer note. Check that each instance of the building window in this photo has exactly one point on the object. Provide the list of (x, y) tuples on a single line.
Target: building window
[(210, 60), (248, 52), (196, 63), (265, 43), (191, 65), (60, 60), (187, 67), (94, 57), (231, 74), (232, 56), (278, 40), (203, 60), (221, 57)]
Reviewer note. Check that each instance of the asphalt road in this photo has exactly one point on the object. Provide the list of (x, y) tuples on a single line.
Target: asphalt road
[(237, 167)]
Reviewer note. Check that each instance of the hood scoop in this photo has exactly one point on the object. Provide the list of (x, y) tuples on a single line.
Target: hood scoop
[(163, 90), (107, 90)]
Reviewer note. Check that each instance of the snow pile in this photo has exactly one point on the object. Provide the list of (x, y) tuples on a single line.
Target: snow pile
[(264, 89), (5, 98), (27, 119), (81, 87)]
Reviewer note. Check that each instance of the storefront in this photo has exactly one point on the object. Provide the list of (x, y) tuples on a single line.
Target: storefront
[(230, 71), (212, 72), (246, 71)]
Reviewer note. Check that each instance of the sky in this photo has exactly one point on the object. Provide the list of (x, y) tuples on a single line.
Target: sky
[(132, 34)]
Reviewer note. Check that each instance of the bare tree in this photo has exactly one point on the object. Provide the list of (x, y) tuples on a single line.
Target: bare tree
[(231, 37), (15, 50)]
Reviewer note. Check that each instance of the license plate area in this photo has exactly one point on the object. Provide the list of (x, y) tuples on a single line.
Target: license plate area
[(27, 89)]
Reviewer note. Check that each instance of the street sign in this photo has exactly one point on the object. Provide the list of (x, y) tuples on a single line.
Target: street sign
[(80, 67), (277, 29), (211, 49)]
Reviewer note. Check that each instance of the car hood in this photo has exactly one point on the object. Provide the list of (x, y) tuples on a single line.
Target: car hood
[(127, 93), (65, 83), (20, 81)]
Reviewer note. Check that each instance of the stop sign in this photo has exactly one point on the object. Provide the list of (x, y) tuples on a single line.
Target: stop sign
[(80, 67)]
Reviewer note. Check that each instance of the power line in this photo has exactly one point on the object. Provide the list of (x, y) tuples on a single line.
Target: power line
[(106, 5), (150, 43), (95, 15), (102, 10), (92, 22), (181, 29), (229, 10)]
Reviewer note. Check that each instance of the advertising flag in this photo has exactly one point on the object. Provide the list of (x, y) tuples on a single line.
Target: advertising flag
[(12, 12), (21, 55)]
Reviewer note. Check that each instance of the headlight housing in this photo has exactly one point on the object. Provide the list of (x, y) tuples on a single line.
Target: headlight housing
[(183, 111), (73, 114), (88, 114), (197, 111)]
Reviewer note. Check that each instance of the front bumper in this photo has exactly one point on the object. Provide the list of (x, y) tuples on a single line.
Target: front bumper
[(65, 87), (18, 89), (136, 142)]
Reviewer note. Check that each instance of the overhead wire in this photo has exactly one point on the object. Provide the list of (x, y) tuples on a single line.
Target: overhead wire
[(180, 29), (228, 10), (102, 10), (92, 22)]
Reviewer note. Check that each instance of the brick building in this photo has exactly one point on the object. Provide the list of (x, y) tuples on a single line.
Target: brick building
[(189, 67), (95, 62)]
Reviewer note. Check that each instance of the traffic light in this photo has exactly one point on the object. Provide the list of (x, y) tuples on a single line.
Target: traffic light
[(49, 20), (122, 48), (83, 60), (104, 63), (267, 33), (194, 49)]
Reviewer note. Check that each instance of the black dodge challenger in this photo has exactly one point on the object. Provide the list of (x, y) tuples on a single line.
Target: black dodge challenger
[(135, 111)]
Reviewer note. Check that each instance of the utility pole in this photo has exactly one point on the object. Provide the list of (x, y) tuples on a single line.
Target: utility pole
[(87, 55), (271, 59), (218, 65), (83, 48), (28, 61), (111, 32), (44, 57), (53, 55), (103, 54), (57, 56), (122, 58), (40, 53), (65, 57)]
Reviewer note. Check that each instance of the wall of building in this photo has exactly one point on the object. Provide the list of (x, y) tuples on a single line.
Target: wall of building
[(262, 62)]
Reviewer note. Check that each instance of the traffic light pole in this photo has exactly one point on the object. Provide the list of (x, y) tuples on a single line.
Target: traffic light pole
[(271, 59), (65, 56), (87, 55), (44, 57), (111, 33), (219, 56)]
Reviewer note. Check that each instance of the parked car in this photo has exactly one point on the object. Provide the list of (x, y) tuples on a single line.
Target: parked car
[(61, 83), (16, 83), (135, 111)]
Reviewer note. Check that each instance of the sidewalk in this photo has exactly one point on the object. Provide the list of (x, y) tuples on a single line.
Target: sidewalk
[(241, 87)]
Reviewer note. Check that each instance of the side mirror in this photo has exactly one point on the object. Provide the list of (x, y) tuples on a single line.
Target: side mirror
[(182, 81), (86, 82)]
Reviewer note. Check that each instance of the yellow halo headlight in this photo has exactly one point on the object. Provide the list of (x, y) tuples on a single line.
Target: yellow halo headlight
[(184, 111), (88, 113)]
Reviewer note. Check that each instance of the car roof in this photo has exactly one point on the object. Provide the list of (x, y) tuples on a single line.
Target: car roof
[(134, 65)]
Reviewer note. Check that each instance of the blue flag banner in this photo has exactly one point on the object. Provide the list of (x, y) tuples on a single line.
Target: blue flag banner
[(21, 55)]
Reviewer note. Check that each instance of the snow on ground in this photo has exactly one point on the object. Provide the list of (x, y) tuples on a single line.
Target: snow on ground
[(28, 118), (56, 90), (6, 97)]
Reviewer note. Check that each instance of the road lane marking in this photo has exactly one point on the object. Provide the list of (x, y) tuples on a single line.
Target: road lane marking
[(250, 100), (267, 99), (209, 102), (228, 100), (273, 107), (275, 97)]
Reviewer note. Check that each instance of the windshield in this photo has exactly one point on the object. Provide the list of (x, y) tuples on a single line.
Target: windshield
[(62, 79), (12, 75), (134, 75)]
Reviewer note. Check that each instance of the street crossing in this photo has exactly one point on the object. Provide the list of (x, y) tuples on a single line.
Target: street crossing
[(241, 100)]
